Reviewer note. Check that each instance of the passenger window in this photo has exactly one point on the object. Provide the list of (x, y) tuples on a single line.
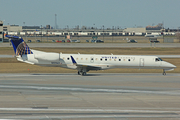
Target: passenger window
[(67, 58), (129, 59), (119, 59), (101, 59), (105, 59)]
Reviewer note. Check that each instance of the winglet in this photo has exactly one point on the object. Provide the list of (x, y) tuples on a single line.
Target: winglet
[(20, 47), (73, 61)]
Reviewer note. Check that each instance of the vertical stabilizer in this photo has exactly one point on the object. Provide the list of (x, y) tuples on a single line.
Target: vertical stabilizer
[(20, 47)]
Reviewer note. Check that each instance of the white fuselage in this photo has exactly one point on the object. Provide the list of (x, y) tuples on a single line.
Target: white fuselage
[(100, 62)]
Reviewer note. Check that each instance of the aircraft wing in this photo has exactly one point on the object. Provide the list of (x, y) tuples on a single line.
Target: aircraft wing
[(87, 66)]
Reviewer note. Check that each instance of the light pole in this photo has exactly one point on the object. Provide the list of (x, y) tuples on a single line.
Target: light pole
[(112, 32), (103, 32), (55, 21), (25, 31), (47, 35), (41, 33)]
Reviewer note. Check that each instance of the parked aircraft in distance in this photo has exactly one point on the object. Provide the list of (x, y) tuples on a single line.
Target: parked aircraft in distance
[(85, 62)]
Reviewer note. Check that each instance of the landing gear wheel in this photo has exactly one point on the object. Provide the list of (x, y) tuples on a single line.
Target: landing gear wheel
[(164, 73), (79, 73), (83, 73)]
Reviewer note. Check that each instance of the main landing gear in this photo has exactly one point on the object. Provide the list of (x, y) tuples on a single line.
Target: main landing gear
[(164, 73), (81, 73)]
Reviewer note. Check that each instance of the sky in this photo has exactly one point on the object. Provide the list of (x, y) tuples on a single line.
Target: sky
[(91, 13)]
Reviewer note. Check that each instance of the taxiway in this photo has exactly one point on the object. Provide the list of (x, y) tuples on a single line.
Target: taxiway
[(95, 96)]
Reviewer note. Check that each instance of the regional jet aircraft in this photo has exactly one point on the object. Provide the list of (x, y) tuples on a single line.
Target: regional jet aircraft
[(85, 62)]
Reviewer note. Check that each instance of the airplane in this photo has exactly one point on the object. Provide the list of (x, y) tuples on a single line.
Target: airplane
[(85, 62)]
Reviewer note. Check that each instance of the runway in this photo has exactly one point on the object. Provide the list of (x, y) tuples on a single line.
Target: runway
[(95, 96)]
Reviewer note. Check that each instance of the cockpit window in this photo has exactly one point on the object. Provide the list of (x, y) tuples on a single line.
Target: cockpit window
[(158, 59)]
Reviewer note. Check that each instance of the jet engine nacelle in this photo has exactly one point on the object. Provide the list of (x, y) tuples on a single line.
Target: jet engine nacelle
[(48, 56)]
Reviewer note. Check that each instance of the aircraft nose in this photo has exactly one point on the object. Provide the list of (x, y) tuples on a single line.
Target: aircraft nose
[(168, 65)]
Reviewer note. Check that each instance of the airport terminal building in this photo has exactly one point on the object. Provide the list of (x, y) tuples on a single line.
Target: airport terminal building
[(30, 31), (37, 30)]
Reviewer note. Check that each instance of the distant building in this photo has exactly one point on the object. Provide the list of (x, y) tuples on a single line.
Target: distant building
[(12, 28), (135, 30), (48, 26), (17, 28), (157, 28), (1, 31), (30, 27)]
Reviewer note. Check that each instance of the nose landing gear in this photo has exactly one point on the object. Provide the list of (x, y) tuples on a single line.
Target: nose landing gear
[(164, 73)]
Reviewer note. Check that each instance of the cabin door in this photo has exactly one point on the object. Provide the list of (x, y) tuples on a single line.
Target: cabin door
[(141, 63)]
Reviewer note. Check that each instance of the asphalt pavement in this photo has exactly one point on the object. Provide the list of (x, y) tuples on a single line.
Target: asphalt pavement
[(95, 96)]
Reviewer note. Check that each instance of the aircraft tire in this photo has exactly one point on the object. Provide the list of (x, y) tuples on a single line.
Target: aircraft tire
[(83, 73)]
